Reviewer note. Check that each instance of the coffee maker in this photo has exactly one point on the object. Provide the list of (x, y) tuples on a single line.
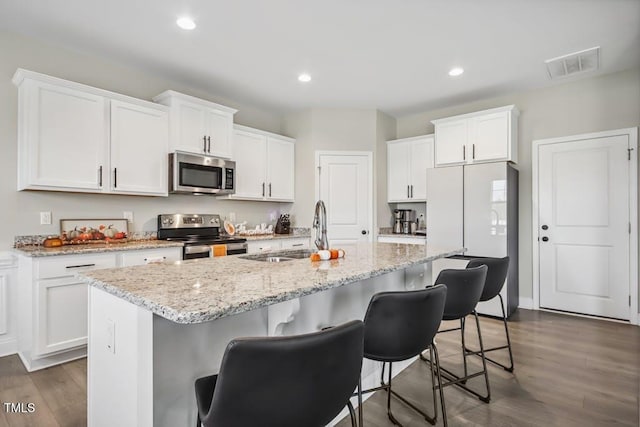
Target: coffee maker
[(402, 219)]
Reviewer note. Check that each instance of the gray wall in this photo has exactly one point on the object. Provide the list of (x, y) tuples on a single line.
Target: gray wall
[(339, 130), (20, 211), (593, 104)]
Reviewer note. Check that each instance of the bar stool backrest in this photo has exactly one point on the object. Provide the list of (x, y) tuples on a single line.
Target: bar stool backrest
[(496, 275), (303, 380), (400, 325), (464, 288)]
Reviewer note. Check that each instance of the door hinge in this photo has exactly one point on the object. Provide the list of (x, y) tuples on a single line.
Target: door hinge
[(629, 153)]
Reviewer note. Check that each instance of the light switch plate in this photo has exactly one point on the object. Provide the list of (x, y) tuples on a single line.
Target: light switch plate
[(45, 218), (128, 215)]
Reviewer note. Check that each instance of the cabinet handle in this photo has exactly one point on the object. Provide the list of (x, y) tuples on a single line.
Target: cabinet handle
[(80, 266), (412, 191), (473, 151), (164, 257), (100, 176), (209, 142), (464, 152), (115, 177), (263, 189), (298, 244), (204, 141), (408, 193), (269, 189)]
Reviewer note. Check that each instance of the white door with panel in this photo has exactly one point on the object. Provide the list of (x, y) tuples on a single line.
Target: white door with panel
[(346, 186), (584, 226), (407, 163), (488, 135), (450, 143), (191, 127), (397, 171), (139, 148)]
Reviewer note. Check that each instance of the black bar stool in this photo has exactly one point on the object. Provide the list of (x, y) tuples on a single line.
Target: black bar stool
[(496, 275), (399, 326), (464, 288), (294, 381)]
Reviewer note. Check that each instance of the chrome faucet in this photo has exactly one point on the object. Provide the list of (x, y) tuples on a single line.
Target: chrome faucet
[(320, 225)]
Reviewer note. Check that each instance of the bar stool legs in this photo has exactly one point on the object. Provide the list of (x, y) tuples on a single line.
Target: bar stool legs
[(460, 381), (502, 347), (435, 372)]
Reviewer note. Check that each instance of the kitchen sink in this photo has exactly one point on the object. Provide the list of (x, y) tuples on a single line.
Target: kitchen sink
[(279, 256)]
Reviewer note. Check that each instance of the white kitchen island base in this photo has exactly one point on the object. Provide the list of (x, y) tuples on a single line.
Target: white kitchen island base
[(142, 367)]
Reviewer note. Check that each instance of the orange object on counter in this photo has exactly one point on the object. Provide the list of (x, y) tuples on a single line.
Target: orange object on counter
[(315, 257), (334, 253), (219, 250)]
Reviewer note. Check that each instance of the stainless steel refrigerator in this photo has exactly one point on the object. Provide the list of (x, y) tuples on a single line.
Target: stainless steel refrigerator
[(476, 206)]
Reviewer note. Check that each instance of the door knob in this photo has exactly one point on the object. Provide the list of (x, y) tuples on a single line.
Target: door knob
[(364, 232), (545, 239), (545, 227)]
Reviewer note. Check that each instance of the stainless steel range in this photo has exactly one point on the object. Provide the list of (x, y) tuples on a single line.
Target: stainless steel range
[(200, 235)]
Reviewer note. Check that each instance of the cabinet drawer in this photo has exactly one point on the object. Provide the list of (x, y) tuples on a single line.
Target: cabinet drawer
[(295, 244), (263, 245), (69, 265), (142, 257)]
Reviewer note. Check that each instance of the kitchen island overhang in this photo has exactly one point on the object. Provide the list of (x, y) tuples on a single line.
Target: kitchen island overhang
[(154, 329)]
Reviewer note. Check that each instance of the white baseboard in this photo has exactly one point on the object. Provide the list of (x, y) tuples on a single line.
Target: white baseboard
[(526, 303), (8, 347)]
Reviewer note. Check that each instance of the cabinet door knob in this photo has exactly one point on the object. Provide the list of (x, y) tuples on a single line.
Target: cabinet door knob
[(363, 232)]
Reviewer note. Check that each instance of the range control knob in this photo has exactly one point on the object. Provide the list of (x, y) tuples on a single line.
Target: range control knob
[(167, 221)]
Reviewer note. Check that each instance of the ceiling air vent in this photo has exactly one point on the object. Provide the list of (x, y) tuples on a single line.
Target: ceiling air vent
[(574, 63)]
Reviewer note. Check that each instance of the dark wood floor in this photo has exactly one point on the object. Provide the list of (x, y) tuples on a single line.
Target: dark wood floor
[(570, 371)]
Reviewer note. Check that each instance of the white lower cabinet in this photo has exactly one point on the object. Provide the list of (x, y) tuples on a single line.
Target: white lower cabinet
[(256, 246), (404, 240), (8, 305), (53, 301)]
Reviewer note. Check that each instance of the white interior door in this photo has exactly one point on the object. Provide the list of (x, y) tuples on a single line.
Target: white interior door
[(346, 186), (584, 225)]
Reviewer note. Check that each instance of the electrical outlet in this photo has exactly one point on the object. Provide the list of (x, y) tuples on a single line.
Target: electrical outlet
[(272, 216), (128, 215), (45, 218), (232, 217)]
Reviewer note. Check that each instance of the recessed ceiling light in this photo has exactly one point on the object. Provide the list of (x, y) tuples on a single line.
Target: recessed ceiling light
[(186, 23), (456, 71), (304, 77)]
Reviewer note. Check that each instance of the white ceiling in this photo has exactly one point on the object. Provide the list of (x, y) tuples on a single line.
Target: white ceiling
[(392, 55)]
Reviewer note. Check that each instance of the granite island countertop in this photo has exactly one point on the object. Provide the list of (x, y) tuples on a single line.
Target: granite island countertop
[(202, 290)]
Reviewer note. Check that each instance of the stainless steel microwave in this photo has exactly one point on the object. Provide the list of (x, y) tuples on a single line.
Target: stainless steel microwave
[(199, 174)]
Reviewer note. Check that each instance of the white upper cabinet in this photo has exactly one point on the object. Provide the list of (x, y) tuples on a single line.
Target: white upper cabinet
[(280, 168), (407, 163), (62, 138), (139, 146), (484, 136), (73, 137), (251, 167), (265, 165), (198, 126)]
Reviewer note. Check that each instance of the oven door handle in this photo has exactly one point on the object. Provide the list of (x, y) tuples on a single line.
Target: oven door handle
[(197, 249)]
